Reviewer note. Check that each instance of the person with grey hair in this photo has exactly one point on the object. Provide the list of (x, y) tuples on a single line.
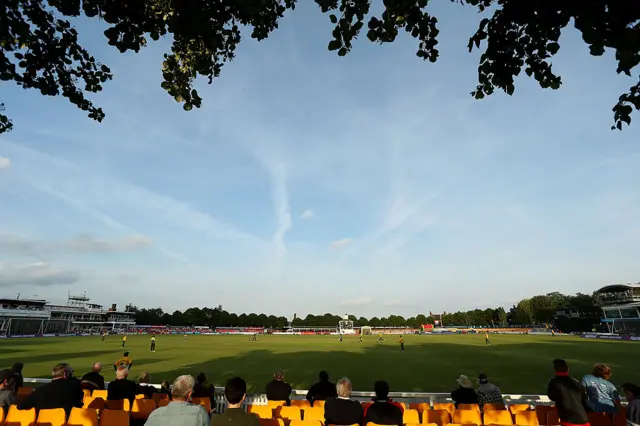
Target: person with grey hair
[(179, 412), (64, 391), (341, 410), (93, 380), (122, 387)]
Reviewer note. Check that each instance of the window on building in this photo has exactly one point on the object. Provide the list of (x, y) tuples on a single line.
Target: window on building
[(612, 313), (629, 313)]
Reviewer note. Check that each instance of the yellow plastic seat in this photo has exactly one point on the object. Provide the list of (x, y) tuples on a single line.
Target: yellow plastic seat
[(305, 423), (114, 418), (83, 417), (93, 402), (318, 404), (142, 408), (274, 404), (302, 403), (314, 413), (52, 417), (140, 396), (17, 417), (497, 417), (205, 402), (516, 408), (118, 404), (488, 407), (420, 406), (449, 406), (466, 417), (410, 416), (439, 417), (468, 407), (262, 411), (99, 393), (527, 418), (86, 392), (288, 413)]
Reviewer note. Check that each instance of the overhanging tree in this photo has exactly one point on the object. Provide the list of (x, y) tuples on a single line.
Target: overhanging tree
[(39, 48)]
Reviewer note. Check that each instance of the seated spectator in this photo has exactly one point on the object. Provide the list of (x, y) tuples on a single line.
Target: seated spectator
[(17, 370), (63, 391), (93, 380), (122, 387), (322, 390), (383, 411), (235, 391), (145, 388), (202, 389), (165, 387), (464, 394), (342, 410), (487, 392), (632, 393), (602, 395), (278, 389), (179, 412), (568, 394), (8, 381), (125, 361)]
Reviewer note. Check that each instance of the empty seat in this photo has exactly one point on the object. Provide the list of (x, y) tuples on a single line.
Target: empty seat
[(542, 412), (515, 408), (468, 407), (445, 406), (288, 413), (439, 417), (140, 396), (314, 413), (271, 422), (86, 392), (552, 418), (83, 417), (487, 407), (94, 402), (114, 418), (497, 417), (160, 396), (599, 419), (465, 417), (100, 393), (305, 423), (318, 404), (118, 404), (302, 403), (141, 408), (17, 417), (205, 402), (620, 418), (262, 411), (527, 418), (52, 417), (410, 416), (420, 406)]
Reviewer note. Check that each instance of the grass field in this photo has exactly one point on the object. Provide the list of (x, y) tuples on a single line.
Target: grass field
[(517, 364)]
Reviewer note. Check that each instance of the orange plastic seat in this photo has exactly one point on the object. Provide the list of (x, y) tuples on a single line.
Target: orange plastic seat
[(542, 411), (86, 392), (262, 411), (83, 417), (318, 404), (516, 408), (94, 402), (449, 406), (24, 391), (114, 418), (620, 418), (410, 416), (302, 403), (205, 402), (528, 418), (271, 422), (305, 423), (498, 417), (552, 418), (420, 406), (17, 417), (274, 404), (468, 407), (465, 417), (314, 413), (99, 393), (288, 413), (142, 408), (52, 417), (599, 419), (488, 407), (118, 404), (1, 416), (163, 403), (439, 417), (140, 396), (160, 396)]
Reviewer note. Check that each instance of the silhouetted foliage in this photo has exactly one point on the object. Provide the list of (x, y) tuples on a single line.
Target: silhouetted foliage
[(39, 49)]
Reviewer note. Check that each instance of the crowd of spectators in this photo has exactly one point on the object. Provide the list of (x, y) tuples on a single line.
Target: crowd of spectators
[(573, 398)]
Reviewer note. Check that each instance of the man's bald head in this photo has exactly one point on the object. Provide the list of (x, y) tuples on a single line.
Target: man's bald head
[(97, 367)]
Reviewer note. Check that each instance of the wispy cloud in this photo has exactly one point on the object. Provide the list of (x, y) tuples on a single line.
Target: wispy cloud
[(280, 199), (4, 163), (40, 274), (343, 242), (307, 214), (361, 301)]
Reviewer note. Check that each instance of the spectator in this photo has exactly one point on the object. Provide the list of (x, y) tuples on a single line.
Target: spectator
[(632, 393), (17, 369), (464, 394), (342, 410), (122, 387), (278, 389), (93, 379), (165, 387), (383, 411), (202, 389), (125, 361), (179, 412), (487, 392), (62, 392), (322, 390), (145, 388), (235, 392), (568, 394), (8, 381), (602, 395)]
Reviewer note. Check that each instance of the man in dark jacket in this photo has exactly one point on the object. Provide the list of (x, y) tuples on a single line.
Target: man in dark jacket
[(278, 389), (383, 411), (342, 410), (569, 395), (322, 390), (235, 392), (17, 369), (123, 388), (63, 391), (93, 380)]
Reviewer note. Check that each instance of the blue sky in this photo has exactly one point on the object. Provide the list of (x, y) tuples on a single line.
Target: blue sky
[(371, 184)]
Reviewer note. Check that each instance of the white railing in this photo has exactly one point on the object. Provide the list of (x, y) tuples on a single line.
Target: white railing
[(406, 397)]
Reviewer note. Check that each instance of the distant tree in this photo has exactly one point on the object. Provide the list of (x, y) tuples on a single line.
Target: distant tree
[(502, 316), (41, 51)]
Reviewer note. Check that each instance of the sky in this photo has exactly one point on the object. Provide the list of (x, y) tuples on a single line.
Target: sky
[(372, 184)]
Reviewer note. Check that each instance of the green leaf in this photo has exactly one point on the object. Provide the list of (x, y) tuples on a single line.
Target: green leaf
[(187, 107), (334, 45), (342, 51), (553, 48), (333, 18)]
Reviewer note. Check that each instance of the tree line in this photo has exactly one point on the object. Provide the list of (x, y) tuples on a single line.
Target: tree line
[(535, 310)]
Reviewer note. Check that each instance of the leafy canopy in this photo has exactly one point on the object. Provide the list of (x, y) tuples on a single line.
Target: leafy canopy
[(39, 48)]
